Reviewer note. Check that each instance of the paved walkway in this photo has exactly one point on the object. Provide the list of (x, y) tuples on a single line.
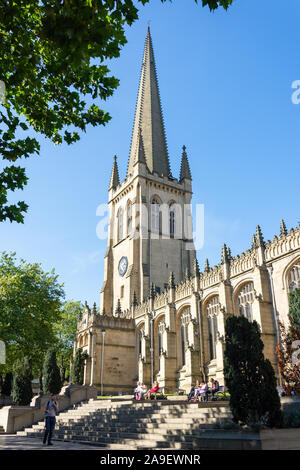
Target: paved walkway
[(13, 442)]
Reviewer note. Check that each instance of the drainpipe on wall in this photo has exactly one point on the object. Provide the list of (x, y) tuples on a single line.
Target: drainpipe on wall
[(151, 348)]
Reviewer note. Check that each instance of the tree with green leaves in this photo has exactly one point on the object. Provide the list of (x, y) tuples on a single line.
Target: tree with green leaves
[(53, 76), (250, 377), (22, 377), (294, 310), (287, 350), (51, 374), (30, 302), (7, 384), (65, 330), (78, 367)]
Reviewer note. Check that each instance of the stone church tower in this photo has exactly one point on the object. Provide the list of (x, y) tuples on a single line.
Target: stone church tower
[(160, 316), (150, 222)]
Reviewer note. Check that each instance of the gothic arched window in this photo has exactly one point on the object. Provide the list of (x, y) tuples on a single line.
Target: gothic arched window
[(155, 216), (294, 276), (140, 337), (184, 320), (129, 218), (120, 224), (172, 220), (245, 300), (161, 327), (212, 309)]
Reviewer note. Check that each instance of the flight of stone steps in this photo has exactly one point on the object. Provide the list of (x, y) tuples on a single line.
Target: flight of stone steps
[(127, 424)]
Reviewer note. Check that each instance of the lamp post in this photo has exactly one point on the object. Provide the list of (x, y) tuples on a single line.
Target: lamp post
[(151, 348), (102, 359)]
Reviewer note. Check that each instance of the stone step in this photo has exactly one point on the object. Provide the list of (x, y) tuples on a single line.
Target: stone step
[(144, 422), (146, 412), (146, 427), (132, 425), (132, 418), (129, 440), (150, 422)]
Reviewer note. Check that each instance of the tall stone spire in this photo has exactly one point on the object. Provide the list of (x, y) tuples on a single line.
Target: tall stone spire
[(185, 171), (148, 121), (114, 179)]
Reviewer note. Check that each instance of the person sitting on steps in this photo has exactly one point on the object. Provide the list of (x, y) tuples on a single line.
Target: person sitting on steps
[(202, 391), (152, 390), (192, 391), (214, 388), (139, 391)]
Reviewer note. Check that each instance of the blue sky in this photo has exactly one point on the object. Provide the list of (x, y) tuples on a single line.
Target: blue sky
[(225, 84)]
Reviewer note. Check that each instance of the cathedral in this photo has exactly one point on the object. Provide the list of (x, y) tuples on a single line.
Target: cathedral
[(160, 317)]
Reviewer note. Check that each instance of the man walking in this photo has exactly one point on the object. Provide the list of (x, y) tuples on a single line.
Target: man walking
[(50, 413)]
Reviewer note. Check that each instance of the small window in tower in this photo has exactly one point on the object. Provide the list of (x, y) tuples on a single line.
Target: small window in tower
[(129, 218), (122, 292), (155, 217), (172, 220), (120, 224)]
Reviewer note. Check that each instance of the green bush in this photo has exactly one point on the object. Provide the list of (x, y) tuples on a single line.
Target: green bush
[(78, 367), (294, 310), (291, 419), (250, 377), (7, 384), (22, 377), (51, 374)]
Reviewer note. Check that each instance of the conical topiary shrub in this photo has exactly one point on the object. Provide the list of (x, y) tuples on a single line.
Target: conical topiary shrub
[(250, 377), (22, 377), (78, 367), (51, 374), (7, 384)]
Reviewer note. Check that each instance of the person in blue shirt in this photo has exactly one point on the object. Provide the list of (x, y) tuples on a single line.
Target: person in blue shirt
[(50, 413)]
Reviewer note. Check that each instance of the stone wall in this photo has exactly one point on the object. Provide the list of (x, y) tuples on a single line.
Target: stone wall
[(14, 418)]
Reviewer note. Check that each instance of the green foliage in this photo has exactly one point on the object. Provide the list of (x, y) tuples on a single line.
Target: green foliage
[(290, 337), (51, 374), (30, 301), (7, 384), (65, 331), (250, 377), (53, 66), (294, 311), (78, 367), (291, 419), (22, 377)]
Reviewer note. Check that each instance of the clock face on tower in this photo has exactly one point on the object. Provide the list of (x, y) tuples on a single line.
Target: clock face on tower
[(123, 264)]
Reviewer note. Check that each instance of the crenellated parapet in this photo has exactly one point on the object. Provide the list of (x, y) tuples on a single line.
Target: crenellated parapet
[(184, 289), (113, 322), (161, 300), (243, 263), (211, 276), (282, 244), (142, 308)]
